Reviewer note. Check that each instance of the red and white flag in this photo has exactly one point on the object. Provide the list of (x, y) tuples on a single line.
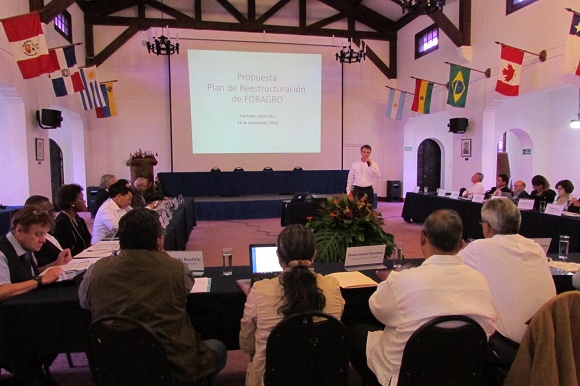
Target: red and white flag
[(26, 38), (508, 80)]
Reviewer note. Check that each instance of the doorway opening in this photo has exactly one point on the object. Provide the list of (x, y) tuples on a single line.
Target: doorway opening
[(429, 165)]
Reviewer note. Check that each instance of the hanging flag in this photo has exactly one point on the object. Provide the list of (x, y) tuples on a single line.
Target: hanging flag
[(111, 108), (91, 96), (26, 38), (396, 104), (458, 85), (508, 81), (572, 51), (66, 78), (422, 100)]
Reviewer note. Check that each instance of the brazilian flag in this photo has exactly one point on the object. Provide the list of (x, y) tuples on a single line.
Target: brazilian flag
[(458, 85)]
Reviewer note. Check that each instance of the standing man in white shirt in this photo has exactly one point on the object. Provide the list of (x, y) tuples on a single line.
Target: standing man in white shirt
[(362, 175)]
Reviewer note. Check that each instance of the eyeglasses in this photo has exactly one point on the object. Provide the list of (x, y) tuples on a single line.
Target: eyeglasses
[(128, 198), (481, 222)]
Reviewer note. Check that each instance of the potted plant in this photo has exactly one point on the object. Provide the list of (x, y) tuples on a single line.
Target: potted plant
[(347, 222)]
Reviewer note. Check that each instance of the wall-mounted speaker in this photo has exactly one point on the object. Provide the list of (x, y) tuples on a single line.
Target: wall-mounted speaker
[(457, 125), (48, 119)]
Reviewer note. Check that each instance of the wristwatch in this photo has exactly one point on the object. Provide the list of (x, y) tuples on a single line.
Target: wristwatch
[(38, 281)]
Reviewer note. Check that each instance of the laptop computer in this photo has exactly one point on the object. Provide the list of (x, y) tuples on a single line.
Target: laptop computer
[(544, 243), (365, 258), (264, 261), (299, 197), (111, 235)]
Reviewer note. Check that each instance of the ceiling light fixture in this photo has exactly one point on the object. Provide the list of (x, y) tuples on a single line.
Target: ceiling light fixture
[(348, 55), (422, 7)]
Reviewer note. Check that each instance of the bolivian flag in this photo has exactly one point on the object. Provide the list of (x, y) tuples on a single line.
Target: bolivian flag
[(422, 101), (458, 85)]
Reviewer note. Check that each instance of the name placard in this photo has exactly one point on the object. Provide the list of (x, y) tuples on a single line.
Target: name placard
[(525, 204), (371, 254), (454, 194), (441, 193), (478, 198), (193, 260), (496, 197), (416, 190), (553, 209)]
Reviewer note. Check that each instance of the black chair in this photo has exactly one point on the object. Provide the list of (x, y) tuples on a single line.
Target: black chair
[(91, 196), (215, 169), (125, 352), (238, 169), (439, 356), (268, 169), (297, 168), (307, 349)]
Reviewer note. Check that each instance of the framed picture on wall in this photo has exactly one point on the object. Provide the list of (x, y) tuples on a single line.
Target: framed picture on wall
[(466, 147), (39, 149)]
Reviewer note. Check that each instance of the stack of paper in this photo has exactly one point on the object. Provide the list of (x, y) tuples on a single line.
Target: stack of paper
[(353, 279), (568, 267)]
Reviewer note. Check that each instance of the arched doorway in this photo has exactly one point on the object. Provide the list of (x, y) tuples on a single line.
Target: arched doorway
[(56, 169), (429, 165)]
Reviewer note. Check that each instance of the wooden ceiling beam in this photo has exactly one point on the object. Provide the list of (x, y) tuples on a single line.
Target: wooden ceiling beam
[(123, 38), (232, 10), (459, 36), (272, 11), (362, 14)]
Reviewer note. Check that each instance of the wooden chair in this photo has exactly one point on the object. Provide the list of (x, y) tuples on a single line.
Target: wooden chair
[(125, 352), (438, 355), (307, 349), (239, 169), (215, 169), (268, 169)]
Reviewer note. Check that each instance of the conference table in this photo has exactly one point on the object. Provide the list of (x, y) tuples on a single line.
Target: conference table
[(50, 320), (419, 206)]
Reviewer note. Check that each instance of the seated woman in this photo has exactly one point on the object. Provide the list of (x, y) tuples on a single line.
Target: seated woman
[(297, 289), (564, 188), (542, 191), (70, 229)]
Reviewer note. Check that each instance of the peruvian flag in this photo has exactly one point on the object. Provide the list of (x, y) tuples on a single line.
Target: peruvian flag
[(508, 80), (26, 38)]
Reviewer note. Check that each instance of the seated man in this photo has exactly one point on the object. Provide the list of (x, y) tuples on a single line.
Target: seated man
[(406, 300), (516, 269), (519, 191), (500, 186), (139, 194), (51, 253), (109, 214), (145, 283), (103, 193), (477, 187), (18, 267)]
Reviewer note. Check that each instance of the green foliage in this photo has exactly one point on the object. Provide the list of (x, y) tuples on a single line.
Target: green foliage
[(347, 222)]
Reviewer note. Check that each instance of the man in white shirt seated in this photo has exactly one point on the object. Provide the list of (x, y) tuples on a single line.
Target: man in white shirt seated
[(109, 214), (477, 187), (406, 300), (515, 267)]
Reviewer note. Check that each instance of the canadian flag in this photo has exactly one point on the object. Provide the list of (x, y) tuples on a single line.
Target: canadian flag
[(508, 80)]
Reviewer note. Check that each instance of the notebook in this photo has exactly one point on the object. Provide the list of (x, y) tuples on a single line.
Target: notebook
[(363, 258), (264, 261)]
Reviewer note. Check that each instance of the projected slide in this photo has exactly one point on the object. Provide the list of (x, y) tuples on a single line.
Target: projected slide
[(255, 102)]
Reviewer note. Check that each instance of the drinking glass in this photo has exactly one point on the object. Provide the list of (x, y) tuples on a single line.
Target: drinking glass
[(227, 261), (398, 255), (563, 247), (543, 206)]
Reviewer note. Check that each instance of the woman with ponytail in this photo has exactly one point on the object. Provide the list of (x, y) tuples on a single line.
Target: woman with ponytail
[(297, 289)]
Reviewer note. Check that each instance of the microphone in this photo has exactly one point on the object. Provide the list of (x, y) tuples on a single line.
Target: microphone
[(369, 163)]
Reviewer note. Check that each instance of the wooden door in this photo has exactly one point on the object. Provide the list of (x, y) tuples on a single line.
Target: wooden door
[(429, 165), (56, 169)]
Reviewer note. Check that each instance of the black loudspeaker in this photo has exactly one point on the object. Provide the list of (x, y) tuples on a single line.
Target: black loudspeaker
[(49, 119), (457, 125), (393, 191)]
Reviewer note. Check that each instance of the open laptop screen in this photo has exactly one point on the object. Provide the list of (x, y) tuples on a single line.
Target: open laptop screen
[(263, 258)]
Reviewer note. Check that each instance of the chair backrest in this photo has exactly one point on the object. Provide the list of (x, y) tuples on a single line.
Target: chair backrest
[(307, 349), (297, 168), (91, 196), (268, 169), (215, 169), (239, 169), (438, 355), (125, 352)]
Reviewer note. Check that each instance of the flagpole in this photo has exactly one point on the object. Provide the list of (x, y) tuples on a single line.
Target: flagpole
[(543, 55), (571, 10), (68, 45), (486, 72), (430, 81), (396, 89)]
